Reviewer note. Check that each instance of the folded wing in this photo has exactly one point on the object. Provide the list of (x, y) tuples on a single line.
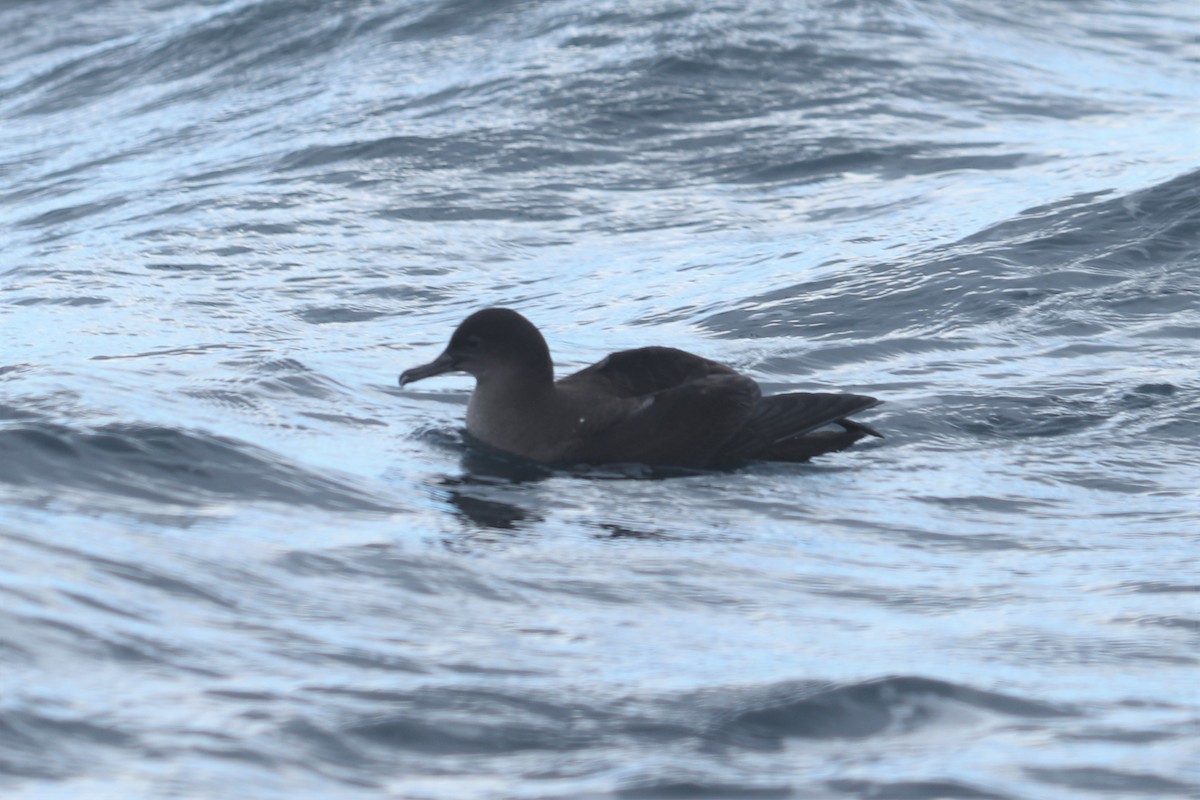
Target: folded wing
[(779, 419), (680, 426), (644, 371), (670, 407)]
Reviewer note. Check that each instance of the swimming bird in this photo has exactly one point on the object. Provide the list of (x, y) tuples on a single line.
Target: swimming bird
[(652, 405)]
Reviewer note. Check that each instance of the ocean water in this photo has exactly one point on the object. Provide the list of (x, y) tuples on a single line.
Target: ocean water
[(239, 561)]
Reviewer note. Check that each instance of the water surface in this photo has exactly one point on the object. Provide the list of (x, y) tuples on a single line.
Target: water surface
[(236, 554)]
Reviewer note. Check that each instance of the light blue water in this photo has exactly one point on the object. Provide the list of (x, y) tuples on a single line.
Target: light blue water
[(236, 554)]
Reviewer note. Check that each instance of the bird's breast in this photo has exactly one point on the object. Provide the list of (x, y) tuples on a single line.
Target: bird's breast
[(516, 424)]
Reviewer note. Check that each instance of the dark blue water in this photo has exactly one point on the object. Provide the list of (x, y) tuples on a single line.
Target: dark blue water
[(237, 560)]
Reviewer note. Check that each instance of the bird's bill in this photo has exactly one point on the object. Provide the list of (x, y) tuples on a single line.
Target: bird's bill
[(439, 366)]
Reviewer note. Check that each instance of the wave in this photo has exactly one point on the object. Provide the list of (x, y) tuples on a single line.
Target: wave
[(160, 465), (465, 720), (1076, 267)]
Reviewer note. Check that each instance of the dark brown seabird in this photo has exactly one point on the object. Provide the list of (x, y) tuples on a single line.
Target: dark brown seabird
[(653, 405)]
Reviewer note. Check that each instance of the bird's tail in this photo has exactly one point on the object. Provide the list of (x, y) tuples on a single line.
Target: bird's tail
[(816, 443)]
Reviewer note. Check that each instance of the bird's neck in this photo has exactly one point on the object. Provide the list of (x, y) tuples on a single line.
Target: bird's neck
[(510, 409)]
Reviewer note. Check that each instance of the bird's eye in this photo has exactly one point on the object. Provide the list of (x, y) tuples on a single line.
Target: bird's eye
[(472, 342)]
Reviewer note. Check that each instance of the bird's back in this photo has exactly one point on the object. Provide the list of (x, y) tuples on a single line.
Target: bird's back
[(660, 405), (643, 371)]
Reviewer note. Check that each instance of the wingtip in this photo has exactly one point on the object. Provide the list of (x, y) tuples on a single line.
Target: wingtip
[(859, 427)]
